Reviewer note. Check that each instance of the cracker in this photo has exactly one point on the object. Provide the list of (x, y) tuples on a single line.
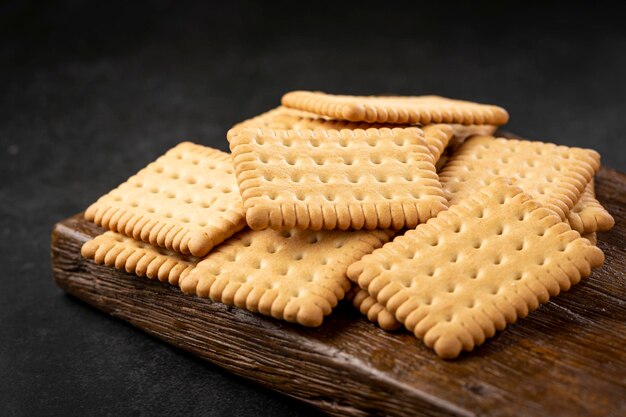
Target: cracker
[(328, 179), (554, 175), (377, 313), (438, 136), (395, 109), (139, 258), (186, 201), (481, 264), (460, 133), (292, 275), (282, 118), (286, 118), (591, 237), (588, 215), (372, 309)]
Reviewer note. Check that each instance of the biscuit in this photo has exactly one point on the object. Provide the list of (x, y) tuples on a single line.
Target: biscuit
[(293, 275), (591, 237), (283, 118), (372, 309), (437, 138), (377, 313), (139, 258), (553, 175), (329, 179), (588, 215), (474, 268), (395, 109), (286, 119), (186, 201)]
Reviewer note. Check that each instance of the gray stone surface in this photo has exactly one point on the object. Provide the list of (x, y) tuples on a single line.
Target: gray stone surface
[(92, 91)]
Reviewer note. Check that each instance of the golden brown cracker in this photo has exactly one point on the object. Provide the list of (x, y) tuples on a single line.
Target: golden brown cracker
[(293, 275), (437, 136), (329, 179), (186, 201), (395, 109), (139, 258), (491, 258), (591, 237), (373, 310), (554, 175), (588, 215)]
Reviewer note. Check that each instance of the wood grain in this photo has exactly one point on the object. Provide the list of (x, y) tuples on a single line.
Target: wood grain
[(567, 358)]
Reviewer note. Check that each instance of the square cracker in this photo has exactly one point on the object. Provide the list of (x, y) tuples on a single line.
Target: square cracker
[(396, 109), (377, 313), (292, 275), (284, 118), (588, 215), (554, 175), (139, 258), (481, 264), (328, 179), (186, 201)]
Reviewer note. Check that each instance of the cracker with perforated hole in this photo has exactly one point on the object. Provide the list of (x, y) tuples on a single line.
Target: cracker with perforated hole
[(293, 275), (377, 313), (284, 118), (139, 258), (329, 179), (186, 201), (396, 109), (372, 309), (436, 135), (483, 263), (588, 215), (554, 175)]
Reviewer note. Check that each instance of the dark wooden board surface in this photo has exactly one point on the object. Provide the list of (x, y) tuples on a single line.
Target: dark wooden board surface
[(566, 358)]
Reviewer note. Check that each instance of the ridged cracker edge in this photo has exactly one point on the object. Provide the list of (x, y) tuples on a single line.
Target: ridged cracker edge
[(570, 189), (283, 308), (302, 215), (546, 284), (373, 310), (588, 215), (322, 104), (168, 234), (138, 261)]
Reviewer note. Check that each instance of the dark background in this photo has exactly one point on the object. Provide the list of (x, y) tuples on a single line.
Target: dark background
[(90, 92)]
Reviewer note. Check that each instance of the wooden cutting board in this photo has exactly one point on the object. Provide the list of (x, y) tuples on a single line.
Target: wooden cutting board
[(567, 358)]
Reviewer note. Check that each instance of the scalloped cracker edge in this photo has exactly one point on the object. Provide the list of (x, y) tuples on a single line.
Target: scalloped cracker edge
[(372, 309), (554, 175), (396, 109), (186, 201), (588, 215), (329, 179), (293, 275), (378, 314), (142, 259), (475, 268), (437, 136)]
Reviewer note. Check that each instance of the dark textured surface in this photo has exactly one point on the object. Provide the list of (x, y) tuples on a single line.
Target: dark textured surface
[(565, 359), (89, 93)]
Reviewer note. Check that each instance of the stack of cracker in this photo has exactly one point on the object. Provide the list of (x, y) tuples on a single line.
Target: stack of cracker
[(407, 206)]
